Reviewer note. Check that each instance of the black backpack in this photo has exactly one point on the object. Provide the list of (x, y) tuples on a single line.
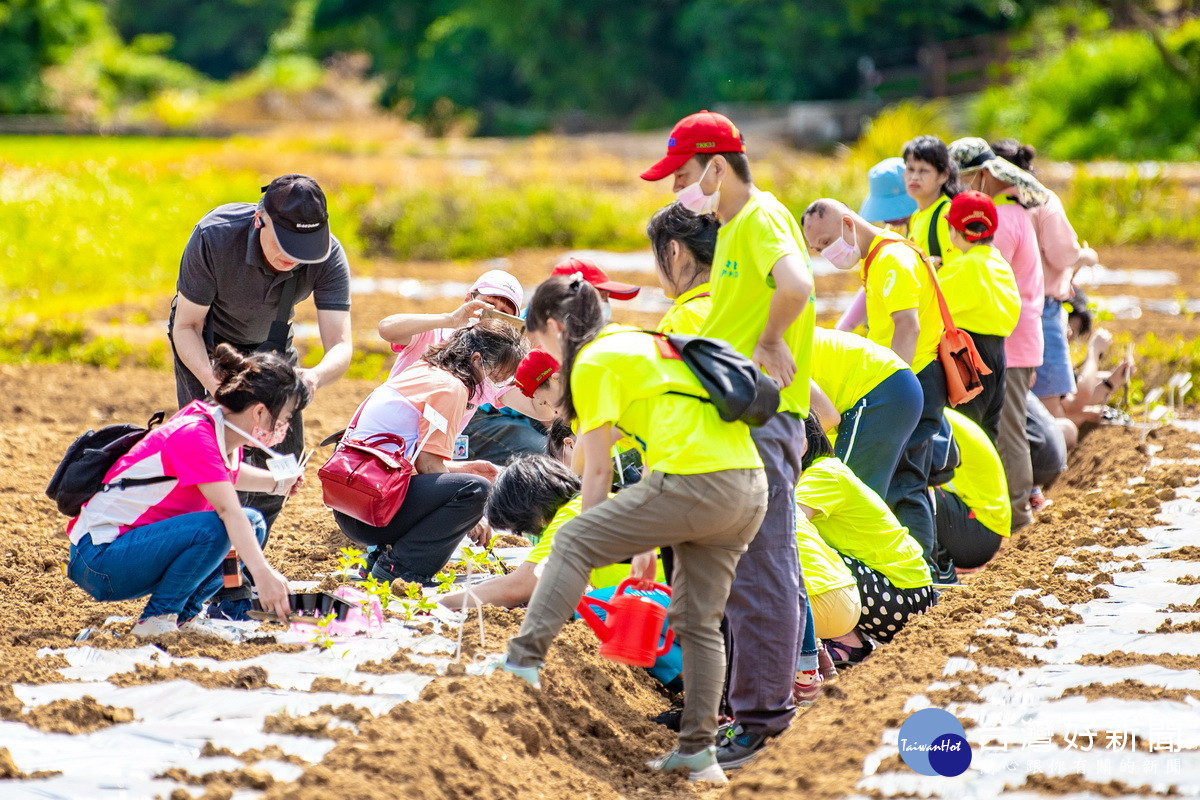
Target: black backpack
[(80, 474), (736, 387)]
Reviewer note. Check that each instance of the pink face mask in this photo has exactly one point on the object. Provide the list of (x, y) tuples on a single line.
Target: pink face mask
[(842, 254), (693, 198), (272, 438)]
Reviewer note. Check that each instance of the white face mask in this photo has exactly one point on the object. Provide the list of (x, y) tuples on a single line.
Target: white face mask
[(281, 466), (693, 198), (842, 254), (606, 312)]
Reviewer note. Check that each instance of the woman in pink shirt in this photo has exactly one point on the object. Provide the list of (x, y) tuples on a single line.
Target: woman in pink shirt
[(167, 539), (1014, 190), (1062, 255)]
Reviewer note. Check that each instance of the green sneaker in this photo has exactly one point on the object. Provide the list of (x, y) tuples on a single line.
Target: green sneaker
[(701, 766), (529, 674)]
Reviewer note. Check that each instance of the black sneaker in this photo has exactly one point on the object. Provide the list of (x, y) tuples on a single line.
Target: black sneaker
[(736, 746), (387, 569), (670, 718)]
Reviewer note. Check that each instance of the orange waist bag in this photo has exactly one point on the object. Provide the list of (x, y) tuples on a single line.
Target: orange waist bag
[(956, 350)]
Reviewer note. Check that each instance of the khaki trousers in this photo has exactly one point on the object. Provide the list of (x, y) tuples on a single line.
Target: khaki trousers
[(1013, 445), (708, 519)]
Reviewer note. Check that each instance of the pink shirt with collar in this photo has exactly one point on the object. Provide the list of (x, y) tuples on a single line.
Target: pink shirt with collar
[(1017, 242)]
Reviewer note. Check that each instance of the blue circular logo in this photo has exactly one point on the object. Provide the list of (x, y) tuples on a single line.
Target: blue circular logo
[(933, 742)]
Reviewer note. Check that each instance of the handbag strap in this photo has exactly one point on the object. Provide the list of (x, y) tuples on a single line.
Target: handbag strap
[(947, 320), (390, 438)]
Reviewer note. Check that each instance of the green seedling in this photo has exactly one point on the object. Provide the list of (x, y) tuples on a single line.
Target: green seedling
[(377, 588), (445, 581), (350, 559), (479, 561), (321, 637), (417, 602)]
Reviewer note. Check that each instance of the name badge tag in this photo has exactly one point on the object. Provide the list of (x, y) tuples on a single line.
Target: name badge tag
[(460, 448)]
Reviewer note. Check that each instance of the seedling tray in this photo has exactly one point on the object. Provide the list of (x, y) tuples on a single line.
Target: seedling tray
[(307, 604)]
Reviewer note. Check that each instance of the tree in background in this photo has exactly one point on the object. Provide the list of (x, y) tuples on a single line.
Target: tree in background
[(217, 37), (34, 35)]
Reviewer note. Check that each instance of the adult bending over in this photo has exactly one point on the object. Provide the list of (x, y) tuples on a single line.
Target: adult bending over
[(168, 539), (445, 498), (704, 494)]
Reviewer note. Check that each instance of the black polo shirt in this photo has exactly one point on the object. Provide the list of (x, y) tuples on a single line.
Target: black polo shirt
[(223, 267)]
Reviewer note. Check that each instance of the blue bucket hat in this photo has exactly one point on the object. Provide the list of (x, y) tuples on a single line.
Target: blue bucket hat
[(886, 198)]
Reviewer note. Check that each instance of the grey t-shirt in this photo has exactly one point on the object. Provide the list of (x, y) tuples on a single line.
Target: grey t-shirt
[(223, 267)]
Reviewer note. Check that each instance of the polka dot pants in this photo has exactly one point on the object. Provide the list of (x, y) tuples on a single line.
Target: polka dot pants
[(885, 607)]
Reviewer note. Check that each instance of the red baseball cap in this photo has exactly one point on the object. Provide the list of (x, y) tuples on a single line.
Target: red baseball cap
[(972, 206), (597, 277), (535, 369), (702, 132)]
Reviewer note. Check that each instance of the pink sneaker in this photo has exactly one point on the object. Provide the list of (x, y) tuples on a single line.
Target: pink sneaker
[(807, 687), (825, 665)]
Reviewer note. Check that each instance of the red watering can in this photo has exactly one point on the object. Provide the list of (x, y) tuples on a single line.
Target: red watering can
[(633, 625)]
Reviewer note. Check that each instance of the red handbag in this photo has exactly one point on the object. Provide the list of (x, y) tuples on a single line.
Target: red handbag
[(365, 482)]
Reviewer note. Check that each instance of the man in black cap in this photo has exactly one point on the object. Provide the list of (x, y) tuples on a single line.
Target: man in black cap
[(243, 270)]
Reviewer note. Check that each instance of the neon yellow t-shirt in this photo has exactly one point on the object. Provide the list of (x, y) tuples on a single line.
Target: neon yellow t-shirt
[(748, 246), (981, 291), (689, 312), (623, 378), (852, 519), (823, 568), (847, 366), (918, 228), (601, 577), (898, 281), (979, 480)]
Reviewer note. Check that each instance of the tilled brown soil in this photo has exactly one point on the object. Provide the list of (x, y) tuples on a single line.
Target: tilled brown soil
[(586, 734)]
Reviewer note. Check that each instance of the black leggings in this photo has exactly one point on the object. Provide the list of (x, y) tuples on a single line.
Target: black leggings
[(439, 509), (885, 607), (960, 533)]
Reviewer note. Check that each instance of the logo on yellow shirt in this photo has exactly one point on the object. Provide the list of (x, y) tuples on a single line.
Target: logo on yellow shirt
[(730, 270), (889, 283)]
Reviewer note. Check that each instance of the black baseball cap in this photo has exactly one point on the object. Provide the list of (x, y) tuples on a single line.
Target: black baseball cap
[(296, 206)]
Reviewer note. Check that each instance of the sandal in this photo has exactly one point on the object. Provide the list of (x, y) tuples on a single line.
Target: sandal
[(844, 655)]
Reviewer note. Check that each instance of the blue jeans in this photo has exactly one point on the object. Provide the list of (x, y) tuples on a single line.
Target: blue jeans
[(875, 430), (908, 494), (1055, 376), (176, 561), (808, 647)]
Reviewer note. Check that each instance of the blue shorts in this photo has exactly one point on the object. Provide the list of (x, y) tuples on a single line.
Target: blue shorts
[(1055, 377)]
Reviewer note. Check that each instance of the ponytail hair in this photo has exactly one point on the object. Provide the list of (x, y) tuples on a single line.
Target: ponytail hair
[(817, 439), (1014, 152), (500, 346), (575, 304), (696, 233), (266, 378)]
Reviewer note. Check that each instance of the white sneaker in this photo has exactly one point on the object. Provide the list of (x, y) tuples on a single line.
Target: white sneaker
[(156, 626), (207, 627), (702, 766)]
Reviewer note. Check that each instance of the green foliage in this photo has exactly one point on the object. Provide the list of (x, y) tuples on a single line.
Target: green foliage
[(1139, 206), (35, 34), (887, 132), (475, 219), (217, 37), (381, 590), (1108, 95), (350, 559), (445, 581), (321, 636)]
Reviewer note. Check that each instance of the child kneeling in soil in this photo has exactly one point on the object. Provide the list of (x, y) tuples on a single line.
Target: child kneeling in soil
[(167, 539), (972, 511), (705, 494), (888, 564), (534, 497)]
